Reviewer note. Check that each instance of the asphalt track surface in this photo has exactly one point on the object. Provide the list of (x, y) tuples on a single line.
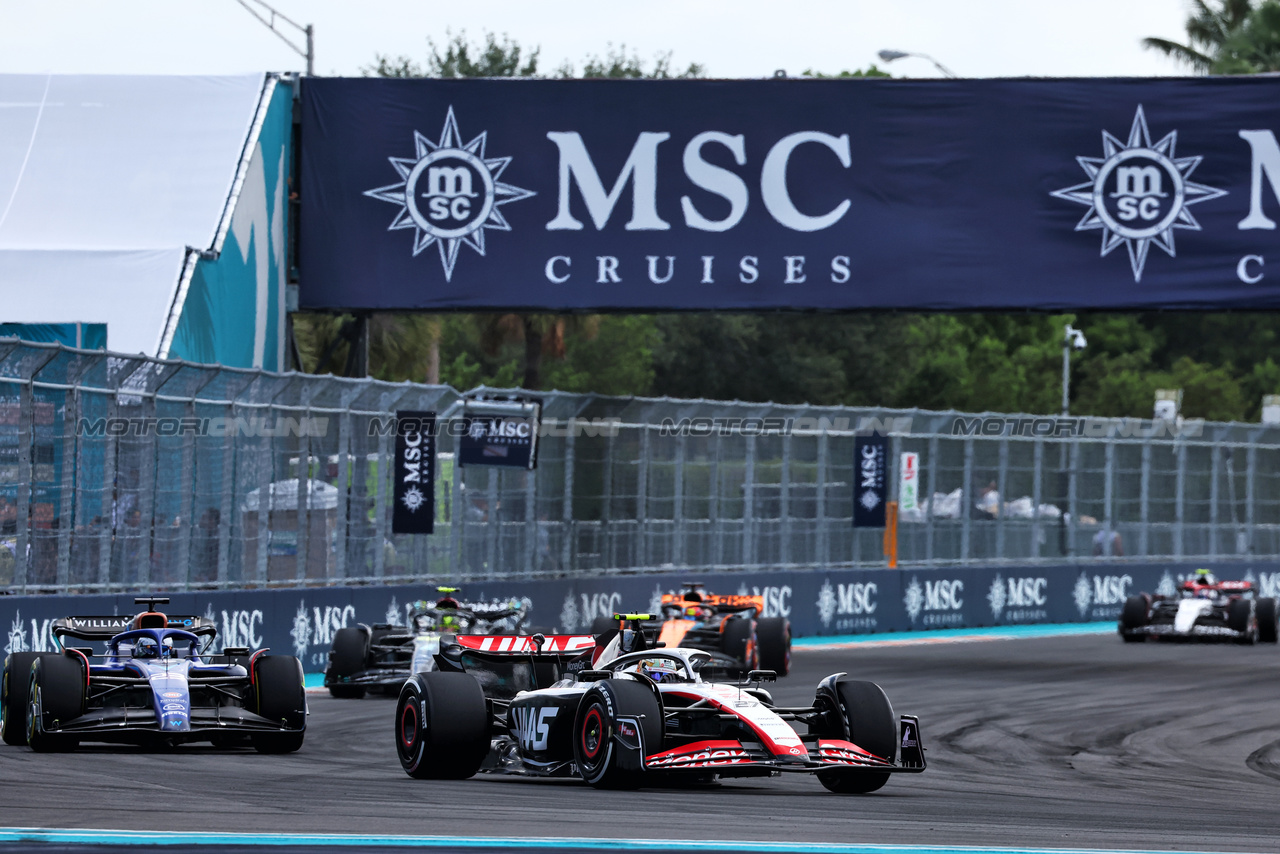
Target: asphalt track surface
[(1063, 742)]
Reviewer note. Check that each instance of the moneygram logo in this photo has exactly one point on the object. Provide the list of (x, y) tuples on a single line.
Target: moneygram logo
[(1138, 193), (449, 194)]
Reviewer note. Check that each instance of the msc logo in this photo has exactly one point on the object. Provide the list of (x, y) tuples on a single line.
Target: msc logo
[(1138, 193), (1101, 590), (1023, 597), (939, 600), (449, 193)]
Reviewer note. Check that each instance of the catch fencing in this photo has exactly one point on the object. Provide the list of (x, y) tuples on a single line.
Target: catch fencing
[(121, 473)]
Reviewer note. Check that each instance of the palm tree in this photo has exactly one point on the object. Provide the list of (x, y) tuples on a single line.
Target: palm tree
[(1254, 48), (1209, 27)]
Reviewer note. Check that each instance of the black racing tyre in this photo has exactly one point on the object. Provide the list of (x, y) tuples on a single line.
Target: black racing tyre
[(872, 726), (56, 693), (442, 726), (738, 641), (597, 756), (1240, 618), (1268, 622), (600, 625), (773, 642), (280, 696), (1134, 614), (13, 696), (346, 658)]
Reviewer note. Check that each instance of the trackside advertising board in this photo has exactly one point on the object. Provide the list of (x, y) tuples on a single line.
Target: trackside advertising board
[(837, 602), (790, 194)]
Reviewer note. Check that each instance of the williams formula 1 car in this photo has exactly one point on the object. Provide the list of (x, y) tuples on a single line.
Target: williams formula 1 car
[(382, 656), (617, 710), (732, 629), (1204, 609), (151, 686)]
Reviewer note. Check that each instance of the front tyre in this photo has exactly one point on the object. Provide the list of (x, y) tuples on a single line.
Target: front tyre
[(346, 659), (1268, 625), (598, 756), (1134, 615), (442, 726), (13, 696), (1240, 618), (773, 642), (280, 697), (55, 696), (870, 723)]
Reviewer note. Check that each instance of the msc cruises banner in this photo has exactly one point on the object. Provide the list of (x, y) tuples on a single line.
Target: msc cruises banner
[(807, 194)]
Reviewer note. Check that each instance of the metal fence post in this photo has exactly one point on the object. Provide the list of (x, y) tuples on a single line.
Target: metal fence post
[(748, 503), (26, 433), (608, 552), (1250, 495), (493, 527), (784, 501), (1108, 483), (68, 518), (1144, 502), (1002, 477), (186, 501), (531, 522), (677, 503), (1180, 501), (931, 468), (1073, 497), (1037, 498), (1215, 472), (823, 550), (458, 513), (345, 478), (642, 499), (966, 504), (227, 507)]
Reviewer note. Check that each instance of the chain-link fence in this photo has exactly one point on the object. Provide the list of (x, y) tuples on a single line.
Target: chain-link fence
[(121, 473)]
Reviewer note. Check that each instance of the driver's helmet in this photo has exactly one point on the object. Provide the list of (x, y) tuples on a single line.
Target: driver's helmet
[(698, 612), (660, 669), (146, 648), (450, 623)]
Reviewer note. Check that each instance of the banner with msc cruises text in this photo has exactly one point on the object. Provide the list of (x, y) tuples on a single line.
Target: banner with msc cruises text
[(415, 485), (303, 622), (804, 194)]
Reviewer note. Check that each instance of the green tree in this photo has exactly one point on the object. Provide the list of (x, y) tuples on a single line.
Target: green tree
[(617, 63), (1253, 47), (1209, 27), (871, 71)]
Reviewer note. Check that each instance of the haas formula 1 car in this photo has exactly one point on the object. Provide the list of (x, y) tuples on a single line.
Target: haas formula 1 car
[(617, 710), (382, 656), (1204, 609), (731, 629), (151, 686)]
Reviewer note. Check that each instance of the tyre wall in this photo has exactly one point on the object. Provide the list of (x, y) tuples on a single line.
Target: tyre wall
[(302, 622)]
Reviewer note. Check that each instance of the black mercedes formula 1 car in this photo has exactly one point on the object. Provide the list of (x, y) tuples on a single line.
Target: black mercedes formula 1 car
[(152, 685), (617, 710), (1204, 609), (380, 657)]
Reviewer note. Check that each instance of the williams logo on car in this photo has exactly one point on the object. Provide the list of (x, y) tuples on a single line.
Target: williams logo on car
[(1099, 597), (935, 603), (848, 607), (1018, 600)]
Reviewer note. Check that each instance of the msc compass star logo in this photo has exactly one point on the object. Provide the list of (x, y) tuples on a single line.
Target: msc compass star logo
[(413, 499), (449, 194), (1138, 193)]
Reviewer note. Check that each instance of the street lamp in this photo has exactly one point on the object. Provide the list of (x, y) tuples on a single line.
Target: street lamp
[(270, 23), (894, 55), (1072, 339)]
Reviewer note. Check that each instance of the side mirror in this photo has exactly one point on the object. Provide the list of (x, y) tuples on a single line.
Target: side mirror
[(762, 676), (593, 675)]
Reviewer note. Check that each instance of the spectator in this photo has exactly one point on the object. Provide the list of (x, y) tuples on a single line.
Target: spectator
[(1107, 543)]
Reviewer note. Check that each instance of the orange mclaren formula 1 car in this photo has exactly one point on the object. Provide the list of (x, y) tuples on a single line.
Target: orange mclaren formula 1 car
[(732, 628)]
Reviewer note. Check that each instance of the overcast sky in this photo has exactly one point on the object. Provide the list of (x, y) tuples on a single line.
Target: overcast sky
[(731, 38)]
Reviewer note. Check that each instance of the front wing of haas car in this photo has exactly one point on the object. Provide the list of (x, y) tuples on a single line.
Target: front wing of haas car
[(562, 707)]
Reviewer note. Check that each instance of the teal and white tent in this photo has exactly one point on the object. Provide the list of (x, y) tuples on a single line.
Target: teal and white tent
[(154, 205)]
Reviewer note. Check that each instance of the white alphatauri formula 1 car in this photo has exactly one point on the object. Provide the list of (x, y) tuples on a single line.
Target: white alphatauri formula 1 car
[(617, 711)]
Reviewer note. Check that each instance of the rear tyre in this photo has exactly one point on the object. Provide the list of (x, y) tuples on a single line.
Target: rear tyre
[(442, 726), (1134, 615), (872, 726), (13, 696), (773, 640), (597, 755), (280, 697), (346, 659), (55, 695), (1240, 618), (1268, 624), (738, 641)]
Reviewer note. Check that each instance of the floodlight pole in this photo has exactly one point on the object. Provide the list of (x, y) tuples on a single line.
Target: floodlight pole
[(270, 23)]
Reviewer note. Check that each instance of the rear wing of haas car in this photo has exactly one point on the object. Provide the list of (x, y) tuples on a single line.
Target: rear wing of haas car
[(524, 645), (105, 628)]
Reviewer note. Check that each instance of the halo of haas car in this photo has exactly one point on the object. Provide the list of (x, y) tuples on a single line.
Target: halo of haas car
[(1204, 609), (153, 685), (621, 710)]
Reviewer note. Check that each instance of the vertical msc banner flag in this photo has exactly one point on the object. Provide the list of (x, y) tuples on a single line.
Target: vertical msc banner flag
[(414, 511), (870, 480), (652, 195)]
